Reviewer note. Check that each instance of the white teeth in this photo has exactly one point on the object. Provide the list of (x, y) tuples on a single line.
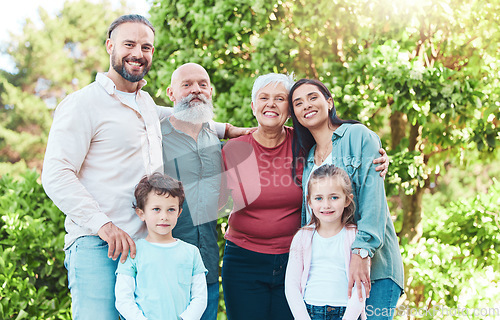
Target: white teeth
[(135, 63), (270, 113), (310, 114)]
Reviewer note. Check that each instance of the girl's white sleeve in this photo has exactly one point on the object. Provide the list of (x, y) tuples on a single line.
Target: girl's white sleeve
[(125, 301), (354, 306), (199, 297), (293, 276)]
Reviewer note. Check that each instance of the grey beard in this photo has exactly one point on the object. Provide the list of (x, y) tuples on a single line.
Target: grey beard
[(200, 112)]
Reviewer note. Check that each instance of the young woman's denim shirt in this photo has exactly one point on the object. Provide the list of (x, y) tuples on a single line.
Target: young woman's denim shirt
[(354, 147)]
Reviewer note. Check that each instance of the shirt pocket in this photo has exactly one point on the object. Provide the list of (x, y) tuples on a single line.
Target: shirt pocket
[(185, 274), (351, 164)]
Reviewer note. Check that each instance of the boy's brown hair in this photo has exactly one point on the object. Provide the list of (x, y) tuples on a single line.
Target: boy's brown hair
[(159, 183)]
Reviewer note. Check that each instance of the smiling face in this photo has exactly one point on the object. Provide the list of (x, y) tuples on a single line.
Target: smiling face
[(191, 93), (271, 106), (190, 79), (327, 200), (131, 50), (311, 107), (160, 215)]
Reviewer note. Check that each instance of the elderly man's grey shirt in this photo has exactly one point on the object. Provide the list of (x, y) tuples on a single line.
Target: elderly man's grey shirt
[(198, 165)]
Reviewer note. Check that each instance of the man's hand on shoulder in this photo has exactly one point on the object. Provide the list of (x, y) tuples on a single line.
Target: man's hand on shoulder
[(235, 132), (119, 242), (383, 162)]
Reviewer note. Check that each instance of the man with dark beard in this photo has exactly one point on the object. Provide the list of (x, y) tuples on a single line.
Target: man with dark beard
[(192, 154), (104, 139)]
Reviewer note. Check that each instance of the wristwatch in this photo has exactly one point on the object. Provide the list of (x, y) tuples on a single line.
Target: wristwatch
[(363, 253)]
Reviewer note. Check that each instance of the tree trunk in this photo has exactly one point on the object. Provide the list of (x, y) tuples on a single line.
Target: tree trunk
[(412, 208), (398, 126), (412, 204)]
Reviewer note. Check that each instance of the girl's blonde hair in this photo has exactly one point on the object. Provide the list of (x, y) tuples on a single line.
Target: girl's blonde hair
[(333, 172)]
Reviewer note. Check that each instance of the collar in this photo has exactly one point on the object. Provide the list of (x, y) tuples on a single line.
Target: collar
[(168, 128), (337, 134), (109, 85)]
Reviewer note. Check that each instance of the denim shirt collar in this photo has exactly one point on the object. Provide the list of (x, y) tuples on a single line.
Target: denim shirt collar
[(337, 134)]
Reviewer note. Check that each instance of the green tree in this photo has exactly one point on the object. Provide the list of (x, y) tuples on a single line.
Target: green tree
[(53, 59), (25, 123), (33, 281)]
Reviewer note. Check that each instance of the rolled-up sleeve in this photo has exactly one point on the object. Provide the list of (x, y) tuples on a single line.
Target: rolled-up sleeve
[(369, 191)]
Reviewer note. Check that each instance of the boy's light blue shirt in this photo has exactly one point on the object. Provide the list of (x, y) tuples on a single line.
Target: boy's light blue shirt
[(163, 277), (354, 147)]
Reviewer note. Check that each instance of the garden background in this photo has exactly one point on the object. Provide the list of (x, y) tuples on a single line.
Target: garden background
[(424, 75)]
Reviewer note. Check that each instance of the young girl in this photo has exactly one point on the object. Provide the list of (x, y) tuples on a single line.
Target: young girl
[(166, 279), (322, 137), (317, 273)]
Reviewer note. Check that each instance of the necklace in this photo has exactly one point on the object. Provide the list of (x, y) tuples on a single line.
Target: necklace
[(321, 156)]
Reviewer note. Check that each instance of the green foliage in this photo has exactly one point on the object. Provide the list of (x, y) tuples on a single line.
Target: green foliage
[(406, 173), (69, 57), (33, 281), (456, 262), (25, 126)]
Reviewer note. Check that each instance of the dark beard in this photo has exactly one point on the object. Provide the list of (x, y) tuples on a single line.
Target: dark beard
[(120, 69)]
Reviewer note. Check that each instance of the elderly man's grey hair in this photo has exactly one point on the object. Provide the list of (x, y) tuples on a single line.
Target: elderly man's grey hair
[(275, 78)]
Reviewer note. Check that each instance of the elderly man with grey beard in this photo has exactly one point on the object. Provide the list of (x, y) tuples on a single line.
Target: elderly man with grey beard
[(192, 154)]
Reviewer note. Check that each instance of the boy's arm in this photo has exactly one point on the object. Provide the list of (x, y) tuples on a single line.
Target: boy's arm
[(199, 297), (354, 306), (125, 301)]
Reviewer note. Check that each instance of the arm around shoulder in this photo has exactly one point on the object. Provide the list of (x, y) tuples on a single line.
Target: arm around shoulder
[(371, 201), (163, 112)]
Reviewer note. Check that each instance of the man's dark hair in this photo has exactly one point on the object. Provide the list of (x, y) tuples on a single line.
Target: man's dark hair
[(161, 184), (129, 18)]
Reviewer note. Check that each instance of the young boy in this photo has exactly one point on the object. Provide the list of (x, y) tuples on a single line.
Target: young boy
[(166, 279)]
